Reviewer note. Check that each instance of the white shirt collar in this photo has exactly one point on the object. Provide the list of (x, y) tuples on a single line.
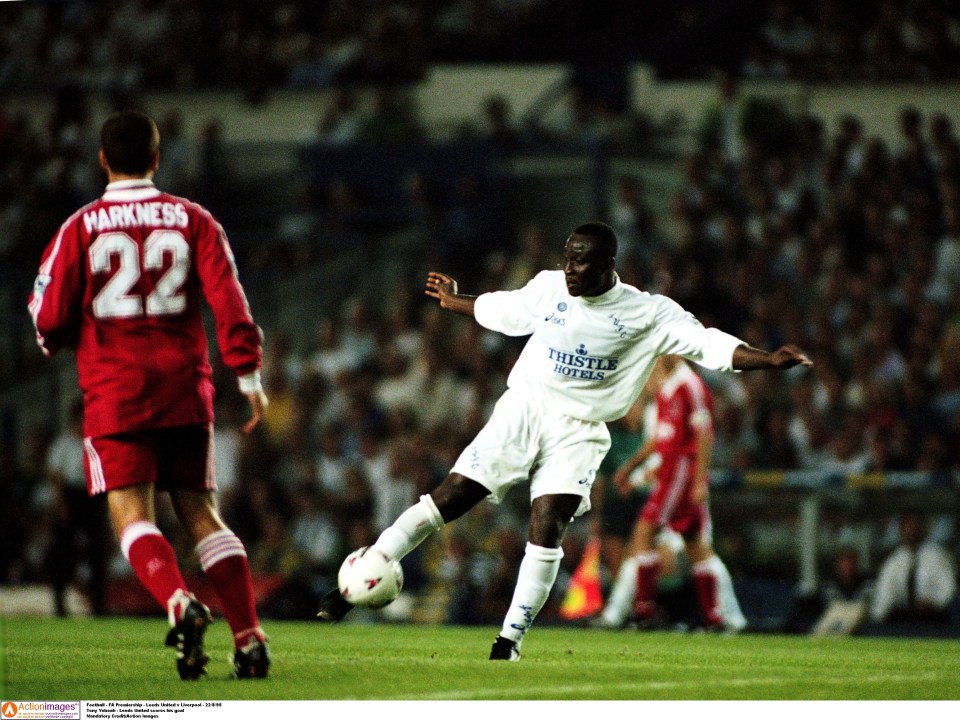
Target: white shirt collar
[(130, 190)]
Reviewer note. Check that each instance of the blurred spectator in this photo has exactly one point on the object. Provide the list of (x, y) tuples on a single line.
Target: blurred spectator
[(840, 603), (918, 580), (722, 126), (341, 122), (189, 46), (496, 125), (80, 545), (175, 174), (774, 449), (632, 219), (391, 118)]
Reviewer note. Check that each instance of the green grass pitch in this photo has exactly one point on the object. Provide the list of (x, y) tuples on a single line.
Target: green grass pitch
[(117, 659)]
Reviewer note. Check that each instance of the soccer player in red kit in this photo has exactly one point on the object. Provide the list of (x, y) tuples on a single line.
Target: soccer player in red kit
[(120, 283), (678, 458)]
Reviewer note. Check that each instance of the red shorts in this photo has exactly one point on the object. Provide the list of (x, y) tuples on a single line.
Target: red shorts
[(169, 458), (669, 504)]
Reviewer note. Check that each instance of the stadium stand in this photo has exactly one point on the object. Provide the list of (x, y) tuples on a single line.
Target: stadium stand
[(770, 223)]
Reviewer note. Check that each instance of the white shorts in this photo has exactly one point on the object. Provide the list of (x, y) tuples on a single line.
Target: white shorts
[(523, 439)]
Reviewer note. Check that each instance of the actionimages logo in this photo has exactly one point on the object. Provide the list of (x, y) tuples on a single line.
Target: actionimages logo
[(40, 710)]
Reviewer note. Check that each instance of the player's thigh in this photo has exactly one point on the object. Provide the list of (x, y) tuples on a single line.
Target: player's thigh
[(669, 499), (127, 505), (504, 450), (185, 458), (198, 512), (119, 461), (570, 455)]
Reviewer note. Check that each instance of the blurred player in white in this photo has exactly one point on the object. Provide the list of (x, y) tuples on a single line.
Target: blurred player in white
[(677, 459), (593, 342), (120, 283)]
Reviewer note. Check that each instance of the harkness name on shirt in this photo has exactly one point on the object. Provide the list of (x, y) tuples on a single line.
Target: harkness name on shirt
[(136, 214)]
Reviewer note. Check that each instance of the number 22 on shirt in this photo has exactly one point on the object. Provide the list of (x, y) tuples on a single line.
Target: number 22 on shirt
[(118, 297)]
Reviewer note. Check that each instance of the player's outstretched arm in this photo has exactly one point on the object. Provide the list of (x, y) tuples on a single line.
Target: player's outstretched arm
[(746, 357), (444, 288)]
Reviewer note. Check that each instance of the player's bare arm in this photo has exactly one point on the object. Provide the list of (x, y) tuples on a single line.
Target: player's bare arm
[(258, 405), (700, 492), (746, 357), (444, 288), (622, 476)]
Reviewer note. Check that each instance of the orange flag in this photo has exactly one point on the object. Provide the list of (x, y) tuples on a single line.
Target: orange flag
[(583, 594)]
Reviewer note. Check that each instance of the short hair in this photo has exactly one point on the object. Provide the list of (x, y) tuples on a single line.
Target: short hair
[(603, 233), (129, 139)]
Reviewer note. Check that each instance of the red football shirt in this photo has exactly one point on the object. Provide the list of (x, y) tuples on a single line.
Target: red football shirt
[(120, 282), (684, 406)]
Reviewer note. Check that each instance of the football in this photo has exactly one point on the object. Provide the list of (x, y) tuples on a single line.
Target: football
[(370, 579)]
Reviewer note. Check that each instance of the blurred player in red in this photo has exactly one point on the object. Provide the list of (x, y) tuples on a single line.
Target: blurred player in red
[(121, 283), (677, 458)]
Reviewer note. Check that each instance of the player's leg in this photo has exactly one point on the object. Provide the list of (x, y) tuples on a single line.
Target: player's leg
[(451, 499), (714, 586), (623, 596), (186, 469), (223, 559), (148, 551), (705, 581), (550, 515), (645, 558), (155, 564)]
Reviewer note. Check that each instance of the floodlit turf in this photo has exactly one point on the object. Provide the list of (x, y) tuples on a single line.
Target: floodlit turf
[(120, 659)]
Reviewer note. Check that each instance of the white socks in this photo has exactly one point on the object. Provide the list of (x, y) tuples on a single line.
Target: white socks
[(414, 525), (620, 602), (733, 618), (538, 571)]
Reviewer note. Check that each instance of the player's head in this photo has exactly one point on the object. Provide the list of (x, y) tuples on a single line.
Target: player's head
[(589, 257), (129, 144)]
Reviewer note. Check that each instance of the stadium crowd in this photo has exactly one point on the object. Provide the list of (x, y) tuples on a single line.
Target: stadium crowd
[(133, 44), (842, 242), (781, 231)]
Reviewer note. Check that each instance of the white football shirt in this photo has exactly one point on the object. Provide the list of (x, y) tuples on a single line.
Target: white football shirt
[(589, 357)]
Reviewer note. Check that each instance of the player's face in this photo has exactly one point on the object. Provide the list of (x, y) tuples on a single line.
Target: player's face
[(586, 271)]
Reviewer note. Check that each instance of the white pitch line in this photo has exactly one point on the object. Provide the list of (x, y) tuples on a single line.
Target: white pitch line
[(540, 691)]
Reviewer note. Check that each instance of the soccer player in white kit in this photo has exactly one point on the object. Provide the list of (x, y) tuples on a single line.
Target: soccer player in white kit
[(593, 343)]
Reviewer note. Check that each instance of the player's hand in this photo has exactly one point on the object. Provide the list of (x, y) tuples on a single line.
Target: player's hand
[(700, 493), (789, 356), (258, 405), (440, 286), (621, 479)]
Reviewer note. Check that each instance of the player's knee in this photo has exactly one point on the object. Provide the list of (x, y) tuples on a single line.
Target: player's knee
[(550, 515), (456, 495)]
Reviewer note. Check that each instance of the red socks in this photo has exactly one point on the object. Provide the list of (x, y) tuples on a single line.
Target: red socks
[(705, 581), (224, 560), (648, 572), (153, 560)]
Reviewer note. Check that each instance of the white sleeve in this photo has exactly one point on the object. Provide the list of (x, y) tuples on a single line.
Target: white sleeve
[(511, 312), (940, 580), (677, 332), (885, 591)]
